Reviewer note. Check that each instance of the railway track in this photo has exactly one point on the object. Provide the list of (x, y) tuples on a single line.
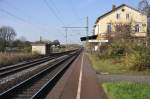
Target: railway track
[(14, 69), (41, 83), (9, 70)]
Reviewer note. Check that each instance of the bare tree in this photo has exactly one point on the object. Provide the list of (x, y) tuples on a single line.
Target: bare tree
[(7, 35), (144, 7)]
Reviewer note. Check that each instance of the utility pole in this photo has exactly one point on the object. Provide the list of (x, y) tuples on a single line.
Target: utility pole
[(66, 30), (86, 27), (87, 31)]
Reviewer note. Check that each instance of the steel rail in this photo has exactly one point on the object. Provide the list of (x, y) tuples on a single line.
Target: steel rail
[(50, 84), (35, 60), (14, 70), (22, 63), (38, 76), (9, 70)]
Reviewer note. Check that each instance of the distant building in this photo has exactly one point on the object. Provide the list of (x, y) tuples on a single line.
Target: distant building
[(41, 48)]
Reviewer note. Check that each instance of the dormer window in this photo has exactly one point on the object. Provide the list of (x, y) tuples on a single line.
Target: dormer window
[(118, 16)]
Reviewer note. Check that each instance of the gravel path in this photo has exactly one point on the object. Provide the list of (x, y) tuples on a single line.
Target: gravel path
[(115, 78)]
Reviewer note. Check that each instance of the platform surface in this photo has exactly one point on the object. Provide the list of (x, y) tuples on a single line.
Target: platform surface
[(79, 82)]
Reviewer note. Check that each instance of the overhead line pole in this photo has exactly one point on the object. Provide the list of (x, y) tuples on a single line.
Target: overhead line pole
[(86, 27), (87, 30), (66, 30)]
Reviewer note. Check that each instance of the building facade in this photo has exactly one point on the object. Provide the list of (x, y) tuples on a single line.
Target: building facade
[(41, 48), (121, 15), (106, 25)]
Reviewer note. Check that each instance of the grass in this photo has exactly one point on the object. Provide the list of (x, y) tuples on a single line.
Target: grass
[(124, 90), (12, 58), (107, 65), (113, 66)]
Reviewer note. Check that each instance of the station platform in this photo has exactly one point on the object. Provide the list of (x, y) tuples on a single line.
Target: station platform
[(78, 82)]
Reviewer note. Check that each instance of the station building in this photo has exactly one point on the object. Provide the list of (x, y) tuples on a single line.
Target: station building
[(104, 27)]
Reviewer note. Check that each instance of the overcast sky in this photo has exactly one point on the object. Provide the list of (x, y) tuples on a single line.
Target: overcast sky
[(33, 18)]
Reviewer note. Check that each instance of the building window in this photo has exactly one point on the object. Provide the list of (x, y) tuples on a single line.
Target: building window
[(127, 16), (109, 28), (137, 28), (118, 16), (144, 25)]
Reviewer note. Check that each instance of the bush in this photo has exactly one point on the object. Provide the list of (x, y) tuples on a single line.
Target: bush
[(136, 56), (12, 58), (139, 58)]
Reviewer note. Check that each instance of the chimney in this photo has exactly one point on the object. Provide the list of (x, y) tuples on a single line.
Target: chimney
[(113, 7)]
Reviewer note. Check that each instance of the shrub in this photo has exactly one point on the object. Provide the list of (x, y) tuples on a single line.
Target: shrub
[(12, 58), (139, 58)]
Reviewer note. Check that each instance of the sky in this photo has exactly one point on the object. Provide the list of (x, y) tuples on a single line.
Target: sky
[(46, 18)]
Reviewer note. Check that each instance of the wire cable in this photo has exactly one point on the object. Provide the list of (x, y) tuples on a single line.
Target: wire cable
[(74, 10), (27, 17), (58, 11), (21, 19), (53, 11)]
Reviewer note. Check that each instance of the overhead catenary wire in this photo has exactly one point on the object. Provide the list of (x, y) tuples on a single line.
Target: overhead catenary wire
[(58, 12), (35, 24), (18, 9), (56, 8), (59, 16), (10, 5), (21, 19), (54, 12), (12, 15), (74, 10)]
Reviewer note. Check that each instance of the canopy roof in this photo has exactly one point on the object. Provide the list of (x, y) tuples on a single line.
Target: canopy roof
[(93, 37)]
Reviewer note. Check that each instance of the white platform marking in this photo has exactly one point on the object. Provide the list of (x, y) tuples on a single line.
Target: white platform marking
[(80, 80)]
